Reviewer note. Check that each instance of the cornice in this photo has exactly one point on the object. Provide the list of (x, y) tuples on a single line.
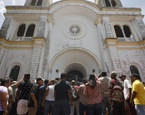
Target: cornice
[(26, 8), (21, 45), (113, 42), (121, 9), (12, 10)]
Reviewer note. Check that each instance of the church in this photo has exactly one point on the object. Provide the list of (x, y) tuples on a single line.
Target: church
[(79, 37)]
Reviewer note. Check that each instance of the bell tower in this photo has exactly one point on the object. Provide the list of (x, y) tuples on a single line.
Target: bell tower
[(110, 3), (42, 3)]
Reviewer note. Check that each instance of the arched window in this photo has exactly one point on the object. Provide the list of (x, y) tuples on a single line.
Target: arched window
[(127, 31), (21, 30), (30, 30), (14, 72), (118, 31), (113, 3), (134, 70), (107, 3), (39, 2)]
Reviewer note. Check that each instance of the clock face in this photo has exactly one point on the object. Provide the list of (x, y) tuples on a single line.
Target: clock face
[(74, 30)]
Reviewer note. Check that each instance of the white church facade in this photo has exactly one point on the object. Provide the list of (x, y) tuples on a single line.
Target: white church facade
[(78, 37)]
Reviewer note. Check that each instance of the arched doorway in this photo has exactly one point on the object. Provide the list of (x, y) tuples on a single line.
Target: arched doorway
[(75, 71), (74, 75)]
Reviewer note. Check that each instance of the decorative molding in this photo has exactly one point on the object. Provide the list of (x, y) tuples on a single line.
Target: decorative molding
[(74, 30)]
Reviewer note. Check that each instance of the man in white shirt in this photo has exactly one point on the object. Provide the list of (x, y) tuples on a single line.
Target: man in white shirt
[(127, 87), (127, 92)]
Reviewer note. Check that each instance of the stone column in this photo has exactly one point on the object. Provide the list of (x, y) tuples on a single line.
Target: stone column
[(141, 27), (107, 26), (42, 26), (45, 68), (36, 57), (5, 26)]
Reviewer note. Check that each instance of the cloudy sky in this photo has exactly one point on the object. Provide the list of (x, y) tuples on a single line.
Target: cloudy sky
[(126, 3)]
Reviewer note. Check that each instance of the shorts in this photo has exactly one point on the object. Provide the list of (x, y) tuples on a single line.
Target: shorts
[(22, 107)]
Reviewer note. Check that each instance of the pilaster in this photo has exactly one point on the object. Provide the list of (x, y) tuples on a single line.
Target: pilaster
[(98, 23), (5, 26), (119, 3), (2, 52), (107, 27), (45, 68), (36, 57), (41, 27), (112, 46), (141, 27)]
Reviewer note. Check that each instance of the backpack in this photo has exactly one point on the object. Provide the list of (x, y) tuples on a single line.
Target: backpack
[(75, 95), (117, 94)]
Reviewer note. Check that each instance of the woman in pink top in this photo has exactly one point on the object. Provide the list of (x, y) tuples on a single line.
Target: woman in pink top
[(94, 96)]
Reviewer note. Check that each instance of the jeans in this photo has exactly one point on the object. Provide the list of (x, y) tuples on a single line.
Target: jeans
[(105, 105), (62, 107), (140, 109), (94, 109), (82, 108), (49, 105), (75, 105)]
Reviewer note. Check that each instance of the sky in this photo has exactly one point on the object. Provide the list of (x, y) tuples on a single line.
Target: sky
[(126, 3)]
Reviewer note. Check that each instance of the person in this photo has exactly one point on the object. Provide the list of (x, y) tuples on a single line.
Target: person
[(41, 95), (4, 96), (14, 86), (75, 98), (10, 92), (94, 97), (23, 95), (63, 96), (127, 94), (82, 98), (34, 101), (48, 99), (116, 95), (138, 94), (104, 81)]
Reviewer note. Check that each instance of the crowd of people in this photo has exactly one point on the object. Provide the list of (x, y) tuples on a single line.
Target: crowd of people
[(97, 95)]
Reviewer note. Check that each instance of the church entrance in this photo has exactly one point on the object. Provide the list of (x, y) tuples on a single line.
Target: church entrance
[(74, 75)]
